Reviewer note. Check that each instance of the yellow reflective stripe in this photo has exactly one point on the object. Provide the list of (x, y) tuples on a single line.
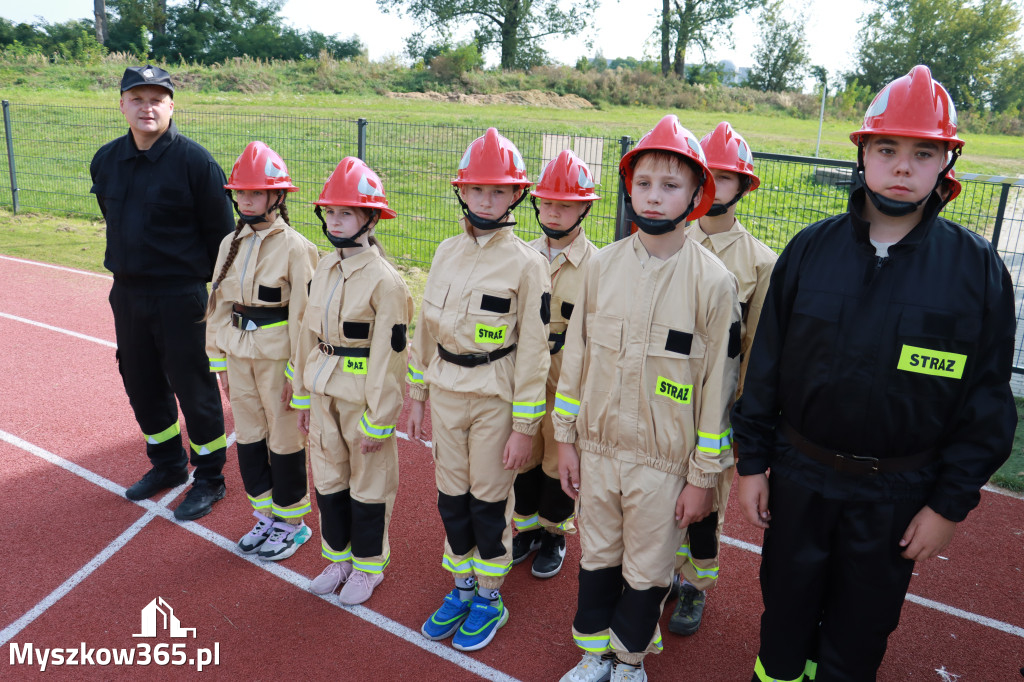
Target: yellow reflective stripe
[(765, 677), (300, 402), (329, 554), (464, 566), (596, 644), (704, 572), (657, 642), (282, 323), (490, 568), (811, 669), (293, 512), (932, 362), (414, 375), (527, 522), (684, 550), (371, 566), (714, 442), (370, 429), (165, 435), (289, 371), (218, 364), (565, 525), (566, 405), (207, 448), (528, 410), (260, 503)]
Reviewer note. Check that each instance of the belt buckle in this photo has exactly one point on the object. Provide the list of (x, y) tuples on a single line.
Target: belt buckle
[(236, 319), (855, 464), (326, 349)]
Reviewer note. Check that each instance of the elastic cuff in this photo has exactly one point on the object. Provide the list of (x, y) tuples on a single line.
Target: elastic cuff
[(702, 480), (417, 392), (528, 428), (566, 434)]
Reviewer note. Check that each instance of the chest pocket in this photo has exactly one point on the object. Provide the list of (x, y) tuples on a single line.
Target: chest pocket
[(933, 352), (492, 315), (675, 362), (169, 206)]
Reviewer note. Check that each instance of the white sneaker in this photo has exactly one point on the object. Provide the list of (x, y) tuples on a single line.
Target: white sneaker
[(591, 668), (331, 578), (628, 673), (255, 538)]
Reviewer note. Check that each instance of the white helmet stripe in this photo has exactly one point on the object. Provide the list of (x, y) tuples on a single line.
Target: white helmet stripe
[(365, 187), (584, 180), (272, 171), (464, 164)]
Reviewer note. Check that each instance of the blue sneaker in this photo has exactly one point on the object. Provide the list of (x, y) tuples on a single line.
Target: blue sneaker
[(484, 620), (447, 619)]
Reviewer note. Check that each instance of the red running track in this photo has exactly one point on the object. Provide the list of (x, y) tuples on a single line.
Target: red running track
[(81, 561)]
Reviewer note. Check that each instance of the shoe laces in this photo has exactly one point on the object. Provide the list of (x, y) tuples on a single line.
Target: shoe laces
[(628, 673)]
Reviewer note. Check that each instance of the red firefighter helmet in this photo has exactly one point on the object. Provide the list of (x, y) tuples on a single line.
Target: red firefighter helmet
[(725, 149), (915, 105), (951, 183), (353, 183), (260, 167), (670, 136), (565, 178), (492, 159)]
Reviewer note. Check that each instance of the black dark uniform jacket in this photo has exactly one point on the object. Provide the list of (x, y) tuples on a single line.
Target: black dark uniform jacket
[(841, 351), (166, 211)]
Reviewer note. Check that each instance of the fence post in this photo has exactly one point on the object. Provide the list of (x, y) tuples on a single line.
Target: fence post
[(621, 224), (10, 155), (362, 140), (999, 214)]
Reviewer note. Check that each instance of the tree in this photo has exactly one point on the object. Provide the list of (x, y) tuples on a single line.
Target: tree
[(700, 22), (960, 40), (71, 40), (99, 10), (515, 27), (781, 57)]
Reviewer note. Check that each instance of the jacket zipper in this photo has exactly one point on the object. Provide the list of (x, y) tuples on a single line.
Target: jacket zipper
[(327, 308)]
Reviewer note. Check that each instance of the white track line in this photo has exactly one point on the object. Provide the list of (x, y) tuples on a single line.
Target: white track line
[(57, 267), (967, 615), (84, 337), (298, 580)]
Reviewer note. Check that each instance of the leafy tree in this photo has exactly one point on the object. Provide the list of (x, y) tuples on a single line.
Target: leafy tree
[(697, 22), (781, 56), (129, 23), (1008, 89), (69, 40), (514, 27), (960, 40)]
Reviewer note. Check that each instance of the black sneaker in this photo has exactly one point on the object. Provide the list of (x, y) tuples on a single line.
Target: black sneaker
[(199, 500), (548, 561), (689, 611), (155, 480), (523, 543)]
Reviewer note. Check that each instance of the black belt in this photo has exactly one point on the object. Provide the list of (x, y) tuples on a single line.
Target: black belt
[(242, 315), (328, 349), (473, 359), (558, 340), (856, 464)]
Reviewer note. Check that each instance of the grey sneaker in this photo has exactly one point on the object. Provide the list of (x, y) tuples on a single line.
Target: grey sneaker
[(255, 538), (622, 672), (284, 540)]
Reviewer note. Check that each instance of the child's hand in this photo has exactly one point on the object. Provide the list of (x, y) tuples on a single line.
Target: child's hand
[(415, 423), (286, 395), (569, 469), (303, 421), (753, 494), (928, 534), (517, 451), (369, 445), (224, 383), (694, 504)]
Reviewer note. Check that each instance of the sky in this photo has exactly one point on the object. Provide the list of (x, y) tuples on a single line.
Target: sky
[(622, 28)]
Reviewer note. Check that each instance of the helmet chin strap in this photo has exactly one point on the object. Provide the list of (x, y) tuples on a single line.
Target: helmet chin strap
[(345, 242), (557, 234), (256, 219), (892, 207), (485, 223)]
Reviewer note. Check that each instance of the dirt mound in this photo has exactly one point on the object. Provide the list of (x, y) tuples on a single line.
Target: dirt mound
[(534, 98)]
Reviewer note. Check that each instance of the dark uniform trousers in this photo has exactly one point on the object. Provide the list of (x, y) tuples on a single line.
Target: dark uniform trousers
[(845, 556), (161, 351)]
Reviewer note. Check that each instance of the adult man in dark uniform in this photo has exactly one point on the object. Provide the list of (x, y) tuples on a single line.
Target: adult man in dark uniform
[(163, 198)]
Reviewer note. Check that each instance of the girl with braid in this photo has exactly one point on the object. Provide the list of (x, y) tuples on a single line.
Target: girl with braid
[(263, 272)]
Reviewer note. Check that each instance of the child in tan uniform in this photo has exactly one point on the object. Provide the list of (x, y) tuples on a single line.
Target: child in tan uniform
[(641, 414), (252, 325), (732, 166), (543, 513), (480, 353), (348, 370)]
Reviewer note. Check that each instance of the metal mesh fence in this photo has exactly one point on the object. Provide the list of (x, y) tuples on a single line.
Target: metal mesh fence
[(51, 147)]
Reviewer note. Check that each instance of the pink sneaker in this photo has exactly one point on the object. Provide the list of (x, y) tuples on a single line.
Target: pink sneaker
[(359, 587), (334, 575)]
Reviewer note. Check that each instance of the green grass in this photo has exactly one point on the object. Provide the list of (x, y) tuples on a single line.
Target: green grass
[(1011, 474)]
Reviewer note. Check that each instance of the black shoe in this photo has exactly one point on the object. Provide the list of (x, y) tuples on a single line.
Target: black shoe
[(548, 561), (155, 480), (689, 611), (523, 543), (199, 500)]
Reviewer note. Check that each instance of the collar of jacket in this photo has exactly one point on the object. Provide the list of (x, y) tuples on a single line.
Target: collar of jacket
[(720, 241), (353, 263), (855, 207), (130, 151), (498, 233), (277, 226), (573, 253)]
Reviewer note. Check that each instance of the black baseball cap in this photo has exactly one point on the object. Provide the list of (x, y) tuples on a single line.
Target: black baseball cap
[(135, 76)]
